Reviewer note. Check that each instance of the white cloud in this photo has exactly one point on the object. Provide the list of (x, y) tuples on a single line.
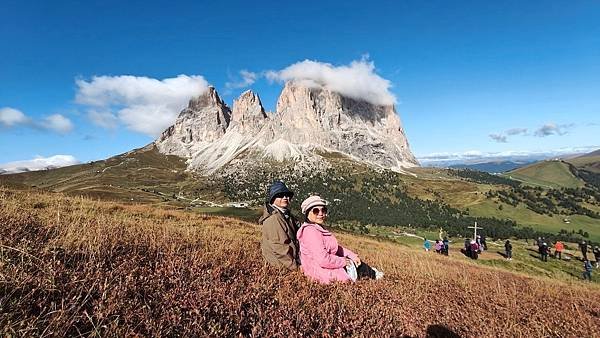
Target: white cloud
[(10, 117), (143, 104), (553, 129), (104, 119), (57, 123), (38, 163), (248, 78), (357, 80)]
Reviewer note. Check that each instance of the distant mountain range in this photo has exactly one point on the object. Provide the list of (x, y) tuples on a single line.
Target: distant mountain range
[(492, 167)]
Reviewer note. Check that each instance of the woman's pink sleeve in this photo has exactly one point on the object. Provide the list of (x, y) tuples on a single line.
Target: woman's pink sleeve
[(348, 253), (315, 247)]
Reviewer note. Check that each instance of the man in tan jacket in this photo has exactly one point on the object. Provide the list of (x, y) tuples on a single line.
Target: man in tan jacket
[(279, 244)]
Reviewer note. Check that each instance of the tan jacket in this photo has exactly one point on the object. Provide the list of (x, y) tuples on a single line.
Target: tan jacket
[(279, 244)]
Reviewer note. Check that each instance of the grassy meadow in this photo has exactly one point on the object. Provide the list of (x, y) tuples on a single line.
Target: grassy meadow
[(74, 266), (547, 174)]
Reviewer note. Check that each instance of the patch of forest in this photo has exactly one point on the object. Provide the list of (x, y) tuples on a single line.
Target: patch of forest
[(483, 177), (551, 201)]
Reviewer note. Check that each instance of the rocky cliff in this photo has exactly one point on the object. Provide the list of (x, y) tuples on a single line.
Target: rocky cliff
[(307, 121)]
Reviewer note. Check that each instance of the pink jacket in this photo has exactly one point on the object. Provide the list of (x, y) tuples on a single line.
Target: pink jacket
[(321, 257)]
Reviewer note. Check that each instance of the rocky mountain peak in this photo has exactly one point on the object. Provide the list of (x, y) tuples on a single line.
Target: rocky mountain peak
[(309, 117), (205, 120), (248, 113)]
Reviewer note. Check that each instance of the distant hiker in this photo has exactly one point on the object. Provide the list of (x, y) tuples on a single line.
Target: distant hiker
[(279, 244), (508, 250), (474, 249), (438, 246), (587, 270), (445, 246), (467, 247), (583, 246), (426, 245), (544, 252), (323, 259), (558, 249), (539, 245), (596, 252), (483, 243)]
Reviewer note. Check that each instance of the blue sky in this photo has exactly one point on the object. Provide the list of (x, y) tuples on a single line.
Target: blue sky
[(471, 77)]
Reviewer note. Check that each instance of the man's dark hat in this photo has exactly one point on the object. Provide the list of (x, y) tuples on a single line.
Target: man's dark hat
[(278, 187)]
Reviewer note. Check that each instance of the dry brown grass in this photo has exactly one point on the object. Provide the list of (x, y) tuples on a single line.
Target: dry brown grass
[(74, 266)]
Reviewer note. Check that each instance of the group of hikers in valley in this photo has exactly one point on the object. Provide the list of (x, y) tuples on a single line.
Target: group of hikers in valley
[(474, 247), (309, 246)]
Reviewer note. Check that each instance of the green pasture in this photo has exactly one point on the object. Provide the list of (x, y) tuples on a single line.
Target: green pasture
[(548, 174)]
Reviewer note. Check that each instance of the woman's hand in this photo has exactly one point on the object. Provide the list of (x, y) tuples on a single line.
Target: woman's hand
[(357, 261)]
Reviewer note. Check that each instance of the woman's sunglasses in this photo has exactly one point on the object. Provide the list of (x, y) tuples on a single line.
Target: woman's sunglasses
[(317, 210)]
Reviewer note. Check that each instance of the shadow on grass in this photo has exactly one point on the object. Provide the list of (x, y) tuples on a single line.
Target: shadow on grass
[(439, 331), (502, 254), (538, 257)]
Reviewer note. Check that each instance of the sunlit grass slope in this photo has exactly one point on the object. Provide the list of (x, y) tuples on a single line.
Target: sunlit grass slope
[(71, 266), (549, 174)]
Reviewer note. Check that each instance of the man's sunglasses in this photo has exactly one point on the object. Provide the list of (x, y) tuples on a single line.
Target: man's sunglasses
[(317, 210), (288, 195)]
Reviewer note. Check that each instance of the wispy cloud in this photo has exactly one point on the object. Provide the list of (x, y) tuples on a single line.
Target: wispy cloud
[(543, 131), (498, 138), (553, 129), (516, 131), (247, 79), (142, 104), (502, 137), (104, 119), (357, 80), (10, 117), (38, 163)]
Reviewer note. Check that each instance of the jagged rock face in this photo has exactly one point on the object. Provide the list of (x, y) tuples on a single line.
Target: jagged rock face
[(307, 119), (248, 114), (205, 120), (327, 119)]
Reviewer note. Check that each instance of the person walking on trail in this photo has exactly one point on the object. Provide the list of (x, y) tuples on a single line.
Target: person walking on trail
[(558, 249), (279, 245), (544, 252), (508, 250), (323, 259), (426, 245), (596, 252), (583, 246), (587, 270)]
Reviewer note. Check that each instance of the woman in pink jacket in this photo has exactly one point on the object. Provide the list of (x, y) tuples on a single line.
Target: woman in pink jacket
[(321, 257)]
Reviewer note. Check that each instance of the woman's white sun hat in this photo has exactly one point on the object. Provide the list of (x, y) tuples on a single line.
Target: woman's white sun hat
[(312, 202)]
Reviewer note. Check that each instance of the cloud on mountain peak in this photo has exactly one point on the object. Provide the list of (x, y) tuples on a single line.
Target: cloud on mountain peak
[(357, 80), (142, 104)]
